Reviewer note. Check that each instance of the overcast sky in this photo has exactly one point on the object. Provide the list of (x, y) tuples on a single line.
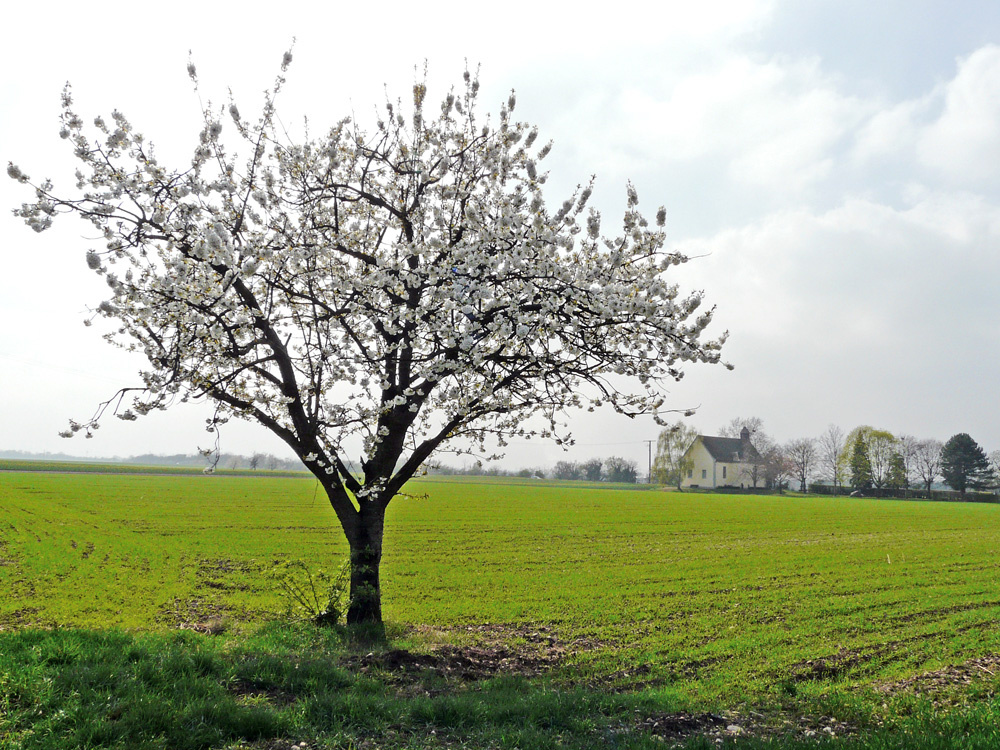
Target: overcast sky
[(833, 166)]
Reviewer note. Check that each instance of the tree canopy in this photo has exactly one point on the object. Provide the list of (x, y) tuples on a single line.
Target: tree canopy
[(869, 454), (670, 464), (388, 291), (964, 464), (802, 454), (831, 450), (927, 461)]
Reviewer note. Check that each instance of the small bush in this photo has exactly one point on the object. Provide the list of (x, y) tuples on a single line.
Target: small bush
[(318, 596)]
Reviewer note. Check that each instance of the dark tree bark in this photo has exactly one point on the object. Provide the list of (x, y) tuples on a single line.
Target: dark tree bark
[(366, 559)]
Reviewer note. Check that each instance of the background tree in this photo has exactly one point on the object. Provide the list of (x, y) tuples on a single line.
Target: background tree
[(896, 479), (831, 450), (906, 446), (802, 455), (567, 470), (618, 469), (995, 468), (927, 462), (397, 289), (777, 467), (755, 425), (964, 464), (860, 468), (670, 465), (881, 447), (593, 470), (869, 457)]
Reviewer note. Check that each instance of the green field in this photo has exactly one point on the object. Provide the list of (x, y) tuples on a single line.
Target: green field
[(658, 602), (87, 467)]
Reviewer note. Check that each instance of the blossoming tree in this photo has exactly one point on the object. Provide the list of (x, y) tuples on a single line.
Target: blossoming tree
[(400, 290)]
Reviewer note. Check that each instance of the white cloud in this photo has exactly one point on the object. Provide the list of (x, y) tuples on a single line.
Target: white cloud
[(950, 133), (964, 142), (891, 130), (774, 124), (862, 313), (635, 22), (861, 267), (782, 132)]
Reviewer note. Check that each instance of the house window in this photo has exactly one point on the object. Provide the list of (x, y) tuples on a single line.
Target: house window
[(704, 473), (690, 473), (724, 471)]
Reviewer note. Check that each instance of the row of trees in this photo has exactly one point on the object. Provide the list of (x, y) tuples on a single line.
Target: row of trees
[(873, 459), (876, 459), (479, 469), (864, 459), (267, 461), (611, 469)]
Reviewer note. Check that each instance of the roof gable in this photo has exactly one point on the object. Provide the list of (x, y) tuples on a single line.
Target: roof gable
[(730, 450)]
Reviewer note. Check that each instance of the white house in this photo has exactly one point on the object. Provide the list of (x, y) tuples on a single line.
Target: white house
[(723, 462)]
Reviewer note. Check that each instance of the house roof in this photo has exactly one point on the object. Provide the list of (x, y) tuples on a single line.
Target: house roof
[(730, 450)]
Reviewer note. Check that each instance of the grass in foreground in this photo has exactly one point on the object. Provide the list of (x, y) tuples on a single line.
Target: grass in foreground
[(723, 597), (627, 616), (287, 685)]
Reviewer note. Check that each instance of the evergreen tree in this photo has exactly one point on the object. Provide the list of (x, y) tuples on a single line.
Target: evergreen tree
[(964, 464), (897, 472), (861, 470)]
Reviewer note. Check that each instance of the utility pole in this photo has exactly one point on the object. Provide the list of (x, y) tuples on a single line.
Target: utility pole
[(649, 469)]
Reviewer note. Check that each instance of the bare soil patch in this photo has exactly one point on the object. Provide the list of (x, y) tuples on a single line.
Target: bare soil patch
[(249, 690), (199, 615), (947, 678), (830, 667), (519, 650), (467, 663), (25, 617), (677, 728)]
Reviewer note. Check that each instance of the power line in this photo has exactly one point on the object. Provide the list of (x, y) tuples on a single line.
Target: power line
[(54, 367), (587, 445)]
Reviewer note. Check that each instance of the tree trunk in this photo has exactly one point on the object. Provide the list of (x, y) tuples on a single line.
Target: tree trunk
[(366, 557)]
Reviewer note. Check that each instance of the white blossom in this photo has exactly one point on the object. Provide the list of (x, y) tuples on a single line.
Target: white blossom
[(339, 295), (15, 173)]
